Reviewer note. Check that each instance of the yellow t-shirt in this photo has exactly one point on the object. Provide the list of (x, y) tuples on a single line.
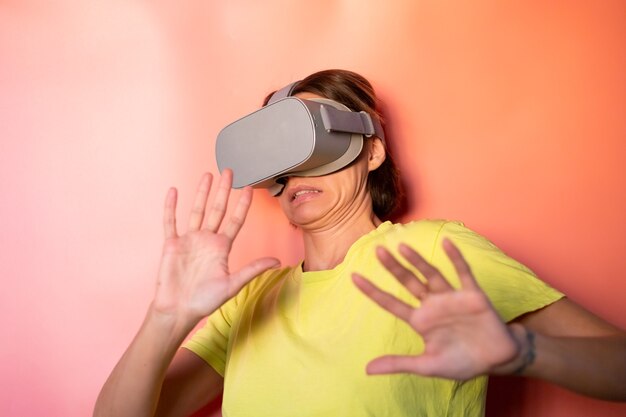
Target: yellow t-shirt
[(296, 343)]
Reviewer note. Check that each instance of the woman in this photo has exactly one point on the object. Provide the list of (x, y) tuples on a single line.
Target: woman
[(297, 340)]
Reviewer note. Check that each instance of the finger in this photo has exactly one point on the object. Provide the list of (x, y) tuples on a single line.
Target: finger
[(462, 268), (199, 204), (250, 271), (169, 214), (239, 214), (402, 274), (387, 301), (436, 282), (220, 203)]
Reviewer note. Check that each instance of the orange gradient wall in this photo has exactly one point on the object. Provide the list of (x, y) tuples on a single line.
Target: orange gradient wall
[(508, 117)]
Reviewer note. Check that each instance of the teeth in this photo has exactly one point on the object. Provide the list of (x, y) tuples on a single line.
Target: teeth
[(299, 193)]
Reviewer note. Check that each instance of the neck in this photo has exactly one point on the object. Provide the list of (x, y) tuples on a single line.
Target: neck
[(326, 248)]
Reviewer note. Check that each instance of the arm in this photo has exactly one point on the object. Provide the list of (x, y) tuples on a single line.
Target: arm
[(193, 281), (151, 377), (464, 336), (577, 350), (190, 383)]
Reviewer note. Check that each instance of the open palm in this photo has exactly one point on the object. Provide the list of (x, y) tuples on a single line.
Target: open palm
[(463, 335), (194, 276)]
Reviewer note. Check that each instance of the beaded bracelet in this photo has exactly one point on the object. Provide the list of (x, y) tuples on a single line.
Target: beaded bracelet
[(529, 357)]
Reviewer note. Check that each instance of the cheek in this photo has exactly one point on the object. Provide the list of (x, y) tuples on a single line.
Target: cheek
[(355, 180)]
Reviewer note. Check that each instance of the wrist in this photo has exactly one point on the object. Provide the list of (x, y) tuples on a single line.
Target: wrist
[(175, 322), (526, 353)]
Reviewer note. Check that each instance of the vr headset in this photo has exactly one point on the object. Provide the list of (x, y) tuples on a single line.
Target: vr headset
[(292, 137)]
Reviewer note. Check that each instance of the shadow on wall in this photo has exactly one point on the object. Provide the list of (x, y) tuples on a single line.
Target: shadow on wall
[(505, 396), (408, 201)]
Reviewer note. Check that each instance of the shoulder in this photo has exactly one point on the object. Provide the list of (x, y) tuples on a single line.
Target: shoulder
[(426, 231), (437, 230), (253, 290), (421, 235), (267, 279), (425, 227)]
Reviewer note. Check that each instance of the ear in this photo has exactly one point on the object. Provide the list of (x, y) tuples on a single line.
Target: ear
[(377, 154)]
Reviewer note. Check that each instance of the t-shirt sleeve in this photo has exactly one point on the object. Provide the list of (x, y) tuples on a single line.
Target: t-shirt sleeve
[(512, 288), (210, 342)]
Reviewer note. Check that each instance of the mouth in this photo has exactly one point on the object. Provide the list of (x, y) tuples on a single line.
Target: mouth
[(300, 192)]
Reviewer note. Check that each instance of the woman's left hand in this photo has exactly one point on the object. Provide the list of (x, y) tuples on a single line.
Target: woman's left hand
[(463, 335)]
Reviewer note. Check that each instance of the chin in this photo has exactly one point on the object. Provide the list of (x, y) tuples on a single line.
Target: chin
[(307, 216)]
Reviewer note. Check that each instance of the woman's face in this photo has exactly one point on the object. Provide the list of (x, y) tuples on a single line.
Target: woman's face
[(321, 202)]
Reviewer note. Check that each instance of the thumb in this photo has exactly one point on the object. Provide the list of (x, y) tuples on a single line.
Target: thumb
[(251, 270), (393, 364)]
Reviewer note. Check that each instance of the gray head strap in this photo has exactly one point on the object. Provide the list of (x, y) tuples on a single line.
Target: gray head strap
[(283, 92), (351, 122)]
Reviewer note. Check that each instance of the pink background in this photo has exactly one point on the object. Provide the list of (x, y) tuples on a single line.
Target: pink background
[(511, 118)]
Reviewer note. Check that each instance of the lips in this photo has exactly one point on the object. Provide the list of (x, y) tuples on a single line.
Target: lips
[(302, 191)]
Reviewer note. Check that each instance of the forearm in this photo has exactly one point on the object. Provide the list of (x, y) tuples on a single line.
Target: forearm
[(133, 387), (593, 366)]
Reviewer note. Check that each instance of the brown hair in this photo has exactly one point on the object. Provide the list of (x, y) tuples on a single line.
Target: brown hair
[(356, 92)]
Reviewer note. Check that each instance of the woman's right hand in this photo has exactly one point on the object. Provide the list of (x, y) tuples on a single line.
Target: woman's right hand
[(194, 278)]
